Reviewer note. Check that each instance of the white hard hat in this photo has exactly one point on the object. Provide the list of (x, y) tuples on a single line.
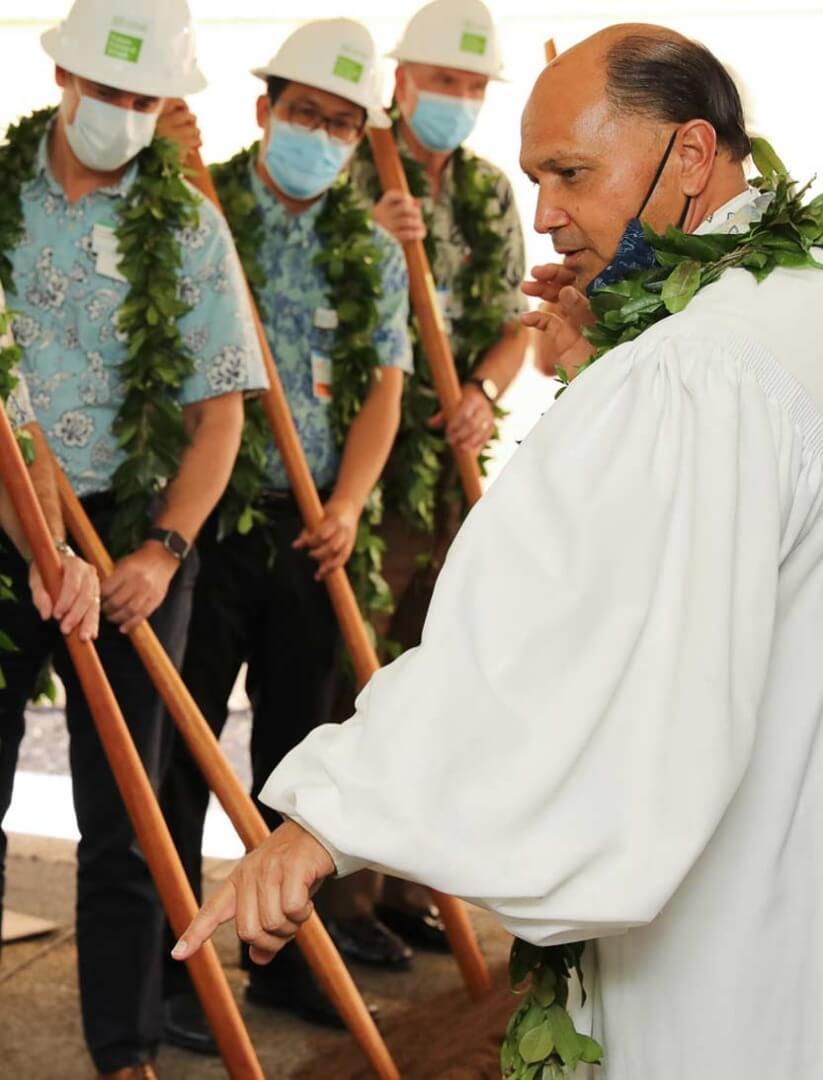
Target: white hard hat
[(141, 46), (453, 33), (336, 55)]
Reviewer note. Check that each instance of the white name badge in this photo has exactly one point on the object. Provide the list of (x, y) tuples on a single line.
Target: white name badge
[(104, 246), (321, 377), (326, 319)]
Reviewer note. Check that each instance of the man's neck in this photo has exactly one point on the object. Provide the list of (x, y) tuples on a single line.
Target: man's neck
[(433, 163), (71, 174), (718, 193), (292, 206)]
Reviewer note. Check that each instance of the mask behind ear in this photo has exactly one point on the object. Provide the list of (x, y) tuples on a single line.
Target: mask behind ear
[(104, 137)]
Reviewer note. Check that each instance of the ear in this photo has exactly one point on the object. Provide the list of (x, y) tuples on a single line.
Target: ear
[(263, 111), (60, 76), (697, 149), (401, 84)]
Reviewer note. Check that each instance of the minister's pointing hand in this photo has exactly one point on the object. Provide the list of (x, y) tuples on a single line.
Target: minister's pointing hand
[(268, 894)]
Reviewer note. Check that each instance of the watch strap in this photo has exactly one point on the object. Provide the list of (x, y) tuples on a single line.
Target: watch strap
[(172, 541)]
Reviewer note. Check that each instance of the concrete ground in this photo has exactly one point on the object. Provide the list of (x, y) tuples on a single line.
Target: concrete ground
[(40, 1032)]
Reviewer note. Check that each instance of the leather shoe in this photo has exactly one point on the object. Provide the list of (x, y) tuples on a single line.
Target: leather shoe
[(424, 928), (289, 983), (185, 1025), (131, 1072), (367, 940)]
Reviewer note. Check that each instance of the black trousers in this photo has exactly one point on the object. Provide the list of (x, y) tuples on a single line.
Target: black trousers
[(255, 602), (119, 917)]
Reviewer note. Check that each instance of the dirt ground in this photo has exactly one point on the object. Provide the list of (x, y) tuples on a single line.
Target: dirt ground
[(428, 1022)]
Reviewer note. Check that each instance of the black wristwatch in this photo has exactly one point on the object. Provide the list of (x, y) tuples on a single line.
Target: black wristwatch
[(488, 388), (173, 542)]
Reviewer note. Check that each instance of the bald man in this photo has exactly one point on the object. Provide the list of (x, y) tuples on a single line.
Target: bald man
[(621, 667)]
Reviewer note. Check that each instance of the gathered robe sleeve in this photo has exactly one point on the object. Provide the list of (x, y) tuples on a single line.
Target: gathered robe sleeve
[(566, 739)]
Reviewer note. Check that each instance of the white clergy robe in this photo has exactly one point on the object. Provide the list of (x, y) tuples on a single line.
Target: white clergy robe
[(611, 729)]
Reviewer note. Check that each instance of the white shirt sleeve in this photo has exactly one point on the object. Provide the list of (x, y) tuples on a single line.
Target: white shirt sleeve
[(566, 739)]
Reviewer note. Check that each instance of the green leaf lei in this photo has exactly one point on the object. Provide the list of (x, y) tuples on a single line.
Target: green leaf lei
[(350, 261), (149, 423), (541, 1042), (415, 479)]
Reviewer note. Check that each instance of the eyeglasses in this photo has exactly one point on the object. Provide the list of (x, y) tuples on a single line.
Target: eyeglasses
[(341, 127)]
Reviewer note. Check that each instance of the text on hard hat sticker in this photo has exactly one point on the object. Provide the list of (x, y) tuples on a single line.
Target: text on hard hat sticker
[(123, 46), (346, 68), (473, 43)]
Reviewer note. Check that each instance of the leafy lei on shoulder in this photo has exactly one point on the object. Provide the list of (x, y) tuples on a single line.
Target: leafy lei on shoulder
[(415, 481), (351, 263), (785, 236), (541, 1041), (149, 423)]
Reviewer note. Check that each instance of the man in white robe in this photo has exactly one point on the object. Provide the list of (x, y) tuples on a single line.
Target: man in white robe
[(628, 703)]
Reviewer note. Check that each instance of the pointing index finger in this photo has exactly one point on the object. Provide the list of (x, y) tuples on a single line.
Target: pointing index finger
[(219, 909)]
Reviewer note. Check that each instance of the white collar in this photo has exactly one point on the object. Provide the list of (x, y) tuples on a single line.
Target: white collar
[(738, 214)]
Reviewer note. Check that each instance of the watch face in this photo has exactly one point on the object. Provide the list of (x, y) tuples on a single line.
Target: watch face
[(490, 389), (177, 545)]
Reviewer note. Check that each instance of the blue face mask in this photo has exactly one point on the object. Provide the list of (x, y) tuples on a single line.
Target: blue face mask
[(634, 252), (442, 122), (304, 163)]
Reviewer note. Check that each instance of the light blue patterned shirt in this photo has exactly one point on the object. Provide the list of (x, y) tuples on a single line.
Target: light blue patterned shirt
[(299, 323), (66, 304)]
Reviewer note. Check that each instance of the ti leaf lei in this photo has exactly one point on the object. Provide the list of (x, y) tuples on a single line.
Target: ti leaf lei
[(416, 476), (149, 424), (350, 261), (541, 1041)]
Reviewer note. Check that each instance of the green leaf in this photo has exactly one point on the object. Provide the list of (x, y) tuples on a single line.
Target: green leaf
[(537, 1044), (544, 986), (591, 1050), (766, 161), (682, 284), (566, 1040)]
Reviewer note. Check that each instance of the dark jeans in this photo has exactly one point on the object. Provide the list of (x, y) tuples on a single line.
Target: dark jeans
[(256, 601), (119, 918)]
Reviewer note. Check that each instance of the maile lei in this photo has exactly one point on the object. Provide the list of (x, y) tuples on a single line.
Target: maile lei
[(541, 1041), (413, 483), (350, 261), (149, 423)]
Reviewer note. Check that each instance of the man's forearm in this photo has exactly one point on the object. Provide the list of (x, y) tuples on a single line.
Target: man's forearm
[(504, 360), (370, 439), (214, 428), (44, 480)]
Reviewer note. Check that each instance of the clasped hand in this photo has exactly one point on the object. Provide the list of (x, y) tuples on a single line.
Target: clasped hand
[(332, 541)]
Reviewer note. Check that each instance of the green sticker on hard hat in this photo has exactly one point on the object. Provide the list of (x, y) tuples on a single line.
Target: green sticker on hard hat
[(346, 68), (473, 43), (123, 46)]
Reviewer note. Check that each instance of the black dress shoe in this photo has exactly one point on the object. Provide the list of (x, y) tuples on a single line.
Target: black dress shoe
[(366, 940), (289, 983), (424, 929), (185, 1025)]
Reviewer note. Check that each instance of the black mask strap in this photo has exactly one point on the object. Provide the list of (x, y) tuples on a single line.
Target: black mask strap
[(663, 163)]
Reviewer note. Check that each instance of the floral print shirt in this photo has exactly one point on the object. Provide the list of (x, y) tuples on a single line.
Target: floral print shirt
[(300, 325), (18, 405), (68, 293)]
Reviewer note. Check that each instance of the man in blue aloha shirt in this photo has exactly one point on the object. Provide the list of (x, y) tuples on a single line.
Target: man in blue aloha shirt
[(260, 597), (115, 70)]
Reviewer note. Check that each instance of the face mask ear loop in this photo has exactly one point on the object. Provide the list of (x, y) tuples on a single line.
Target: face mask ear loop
[(685, 213), (663, 163)]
